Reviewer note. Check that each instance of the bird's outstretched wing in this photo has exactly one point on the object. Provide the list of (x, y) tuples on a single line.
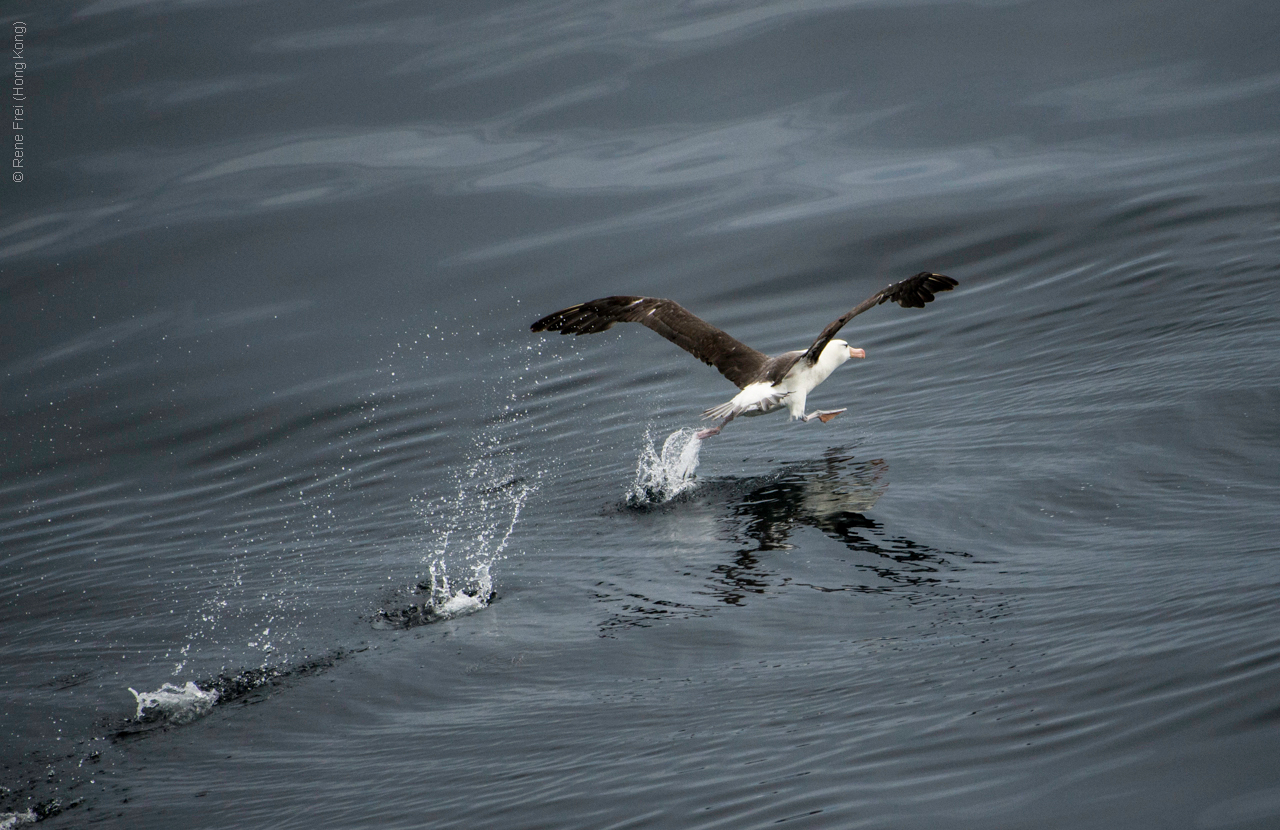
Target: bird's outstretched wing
[(913, 292), (736, 360)]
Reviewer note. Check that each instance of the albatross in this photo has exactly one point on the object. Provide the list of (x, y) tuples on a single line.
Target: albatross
[(767, 383)]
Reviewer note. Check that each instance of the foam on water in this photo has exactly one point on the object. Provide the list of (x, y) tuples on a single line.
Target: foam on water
[(8, 821), (174, 704), (661, 475), (445, 601)]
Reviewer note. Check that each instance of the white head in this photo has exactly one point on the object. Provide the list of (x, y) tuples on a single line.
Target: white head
[(838, 351)]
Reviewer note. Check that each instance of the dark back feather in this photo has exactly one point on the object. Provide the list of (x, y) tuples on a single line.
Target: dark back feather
[(734, 359)]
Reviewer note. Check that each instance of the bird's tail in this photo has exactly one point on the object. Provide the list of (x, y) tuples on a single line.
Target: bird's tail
[(736, 407), (721, 411)]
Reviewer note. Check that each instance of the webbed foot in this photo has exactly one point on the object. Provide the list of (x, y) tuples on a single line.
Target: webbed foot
[(823, 415)]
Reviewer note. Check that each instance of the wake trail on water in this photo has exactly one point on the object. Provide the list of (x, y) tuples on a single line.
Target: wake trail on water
[(663, 474), (470, 531)]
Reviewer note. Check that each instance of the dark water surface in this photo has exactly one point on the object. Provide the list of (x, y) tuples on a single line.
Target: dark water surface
[(268, 399)]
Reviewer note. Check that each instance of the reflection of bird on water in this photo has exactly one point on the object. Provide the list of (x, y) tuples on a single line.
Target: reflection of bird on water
[(767, 383), (831, 496), (812, 494)]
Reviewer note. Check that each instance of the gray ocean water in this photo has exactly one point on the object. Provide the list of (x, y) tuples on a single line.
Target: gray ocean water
[(279, 453)]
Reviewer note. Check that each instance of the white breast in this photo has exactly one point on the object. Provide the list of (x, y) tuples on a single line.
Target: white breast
[(802, 378)]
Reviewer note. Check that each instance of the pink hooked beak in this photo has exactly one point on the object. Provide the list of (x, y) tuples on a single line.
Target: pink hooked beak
[(856, 352)]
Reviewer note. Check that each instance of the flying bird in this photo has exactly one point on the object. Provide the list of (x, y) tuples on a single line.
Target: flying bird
[(767, 383)]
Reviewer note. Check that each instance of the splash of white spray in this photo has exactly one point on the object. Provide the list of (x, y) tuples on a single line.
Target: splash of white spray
[(175, 704), (8, 821), (663, 475), (473, 529)]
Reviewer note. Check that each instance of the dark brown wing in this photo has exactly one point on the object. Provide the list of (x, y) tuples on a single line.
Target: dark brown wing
[(737, 361), (910, 293)]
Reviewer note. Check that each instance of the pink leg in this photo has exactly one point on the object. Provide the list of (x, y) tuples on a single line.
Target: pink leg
[(715, 430)]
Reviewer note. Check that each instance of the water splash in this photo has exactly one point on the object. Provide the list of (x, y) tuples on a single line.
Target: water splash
[(663, 475), (174, 704), (8, 821), (471, 531), (475, 593)]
